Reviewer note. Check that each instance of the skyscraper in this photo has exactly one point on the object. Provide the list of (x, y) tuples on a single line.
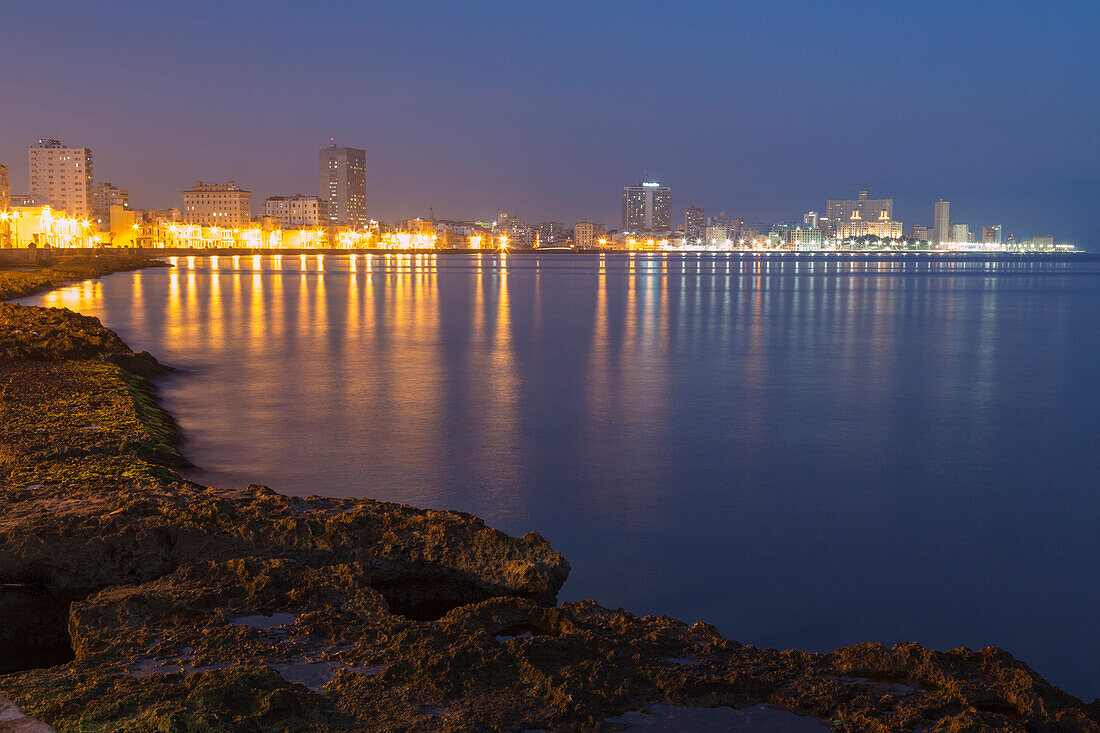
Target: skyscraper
[(647, 207), (5, 188), (62, 176), (343, 183), (695, 221), (993, 234), (941, 227)]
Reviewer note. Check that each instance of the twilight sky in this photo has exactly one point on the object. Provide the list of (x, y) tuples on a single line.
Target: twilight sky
[(546, 109)]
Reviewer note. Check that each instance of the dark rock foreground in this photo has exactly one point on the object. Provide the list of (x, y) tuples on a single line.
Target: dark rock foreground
[(131, 599)]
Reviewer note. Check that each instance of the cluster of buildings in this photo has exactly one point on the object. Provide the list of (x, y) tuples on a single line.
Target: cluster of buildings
[(66, 207), (861, 223)]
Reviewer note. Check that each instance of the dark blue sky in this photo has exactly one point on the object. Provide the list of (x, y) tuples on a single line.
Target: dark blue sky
[(547, 109)]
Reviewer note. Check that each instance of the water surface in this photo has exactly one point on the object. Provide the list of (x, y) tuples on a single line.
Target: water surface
[(805, 452)]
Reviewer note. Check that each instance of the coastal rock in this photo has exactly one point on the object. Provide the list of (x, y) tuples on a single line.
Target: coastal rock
[(59, 334), (427, 561), (315, 647)]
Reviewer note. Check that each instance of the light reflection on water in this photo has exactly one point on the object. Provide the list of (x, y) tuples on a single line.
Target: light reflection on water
[(806, 452)]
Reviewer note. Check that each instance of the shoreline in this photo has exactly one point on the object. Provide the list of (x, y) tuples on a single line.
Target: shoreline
[(922, 254), (170, 602)]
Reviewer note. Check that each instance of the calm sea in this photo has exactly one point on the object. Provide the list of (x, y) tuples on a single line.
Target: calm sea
[(805, 452)]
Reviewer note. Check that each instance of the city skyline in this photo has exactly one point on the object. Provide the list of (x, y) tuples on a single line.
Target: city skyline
[(646, 205), (568, 126)]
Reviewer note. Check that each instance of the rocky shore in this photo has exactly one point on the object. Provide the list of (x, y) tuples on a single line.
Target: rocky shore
[(132, 599)]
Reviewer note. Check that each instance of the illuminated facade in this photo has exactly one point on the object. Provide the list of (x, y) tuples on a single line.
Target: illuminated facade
[(5, 188), (62, 177), (857, 226), (941, 228), (217, 205), (647, 207), (839, 211), (695, 221), (993, 234), (920, 232), (960, 233), (297, 211), (343, 183), (584, 234), (28, 226)]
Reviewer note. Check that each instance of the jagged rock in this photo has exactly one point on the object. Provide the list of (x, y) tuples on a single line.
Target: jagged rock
[(127, 535), (320, 641)]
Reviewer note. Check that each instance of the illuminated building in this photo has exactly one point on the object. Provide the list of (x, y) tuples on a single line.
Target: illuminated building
[(715, 234), (920, 232), (798, 236), (550, 233), (417, 225), (42, 226), (695, 221), (993, 234), (647, 207), (217, 205), (584, 234), (856, 226), (811, 218), (297, 210), (62, 177), (5, 188), (960, 233), (941, 228), (839, 211), (343, 183)]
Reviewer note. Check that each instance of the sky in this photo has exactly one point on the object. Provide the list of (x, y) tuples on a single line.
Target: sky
[(547, 109)]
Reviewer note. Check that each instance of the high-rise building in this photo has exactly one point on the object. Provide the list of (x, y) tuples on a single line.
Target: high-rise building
[(297, 210), (217, 205), (647, 207), (343, 179), (584, 235), (811, 218), (941, 227), (695, 221), (5, 188), (960, 233), (993, 234), (105, 195), (61, 176), (839, 211)]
